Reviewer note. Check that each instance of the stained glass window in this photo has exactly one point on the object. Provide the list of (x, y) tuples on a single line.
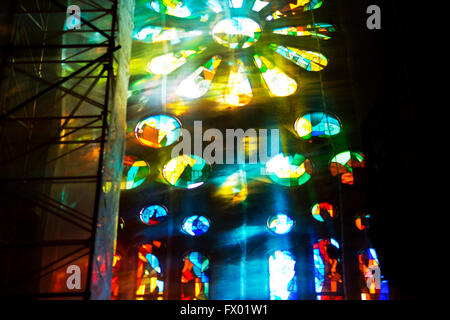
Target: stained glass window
[(135, 171), (150, 272), (186, 171), (374, 286), (195, 225), (158, 131), (317, 30), (327, 270), (195, 277), (153, 214), (280, 223), (343, 165), (282, 276), (237, 32), (362, 221), (323, 211), (289, 170), (317, 125)]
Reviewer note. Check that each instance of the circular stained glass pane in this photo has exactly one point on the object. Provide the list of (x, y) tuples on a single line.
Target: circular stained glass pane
[(362, 221), (236, 32), (343, 164), (153, 214), (135, 171), (186, 171), (323, 211), (280, 223), (317, 125), (196, 225), (288, 170), (158, 131)]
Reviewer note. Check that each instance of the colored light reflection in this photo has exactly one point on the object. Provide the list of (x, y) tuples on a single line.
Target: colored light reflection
[(157, 131), (199, 82), (115, 276), (327, 270), (282, 276), (236, 32), (195, 277), (289, 170), (153, 214), (317, 125), (279, 83), (135, 171), (323, 211), (186, 171), (280, 223), (150, 276), (234, 189), (196, 225), (342, 165)]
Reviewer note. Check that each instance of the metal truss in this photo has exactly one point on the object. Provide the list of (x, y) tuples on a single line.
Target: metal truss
[(56, 89)]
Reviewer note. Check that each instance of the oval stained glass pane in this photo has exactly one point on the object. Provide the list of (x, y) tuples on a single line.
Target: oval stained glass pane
[(186, 171), (135, 171), (343, 165), (323, 211), (317, 125), (153, 214), (236, 32), (288, 170), (362, 221), (196, 225), (280, 223), (157, 131)]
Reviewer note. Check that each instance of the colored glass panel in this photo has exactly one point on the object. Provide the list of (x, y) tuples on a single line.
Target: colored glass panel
[(327, 270), (278, 83), (155, 34), (343, 165), (174, 8), (282, 276), (150, 276), (169, 62), (289, 170), (294, 8), (238, 91), (317, 30), (362, 221), (153, 214), (308, 60), (236, 32), (186, 171), (235, 3), (317, 125), (135, 171), (196, 225), (199, 82), (280, 223), (157, 131), (195, 277), (323, 211)]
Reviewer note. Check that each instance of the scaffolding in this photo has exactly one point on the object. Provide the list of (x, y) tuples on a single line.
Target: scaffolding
[(62, 130)]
